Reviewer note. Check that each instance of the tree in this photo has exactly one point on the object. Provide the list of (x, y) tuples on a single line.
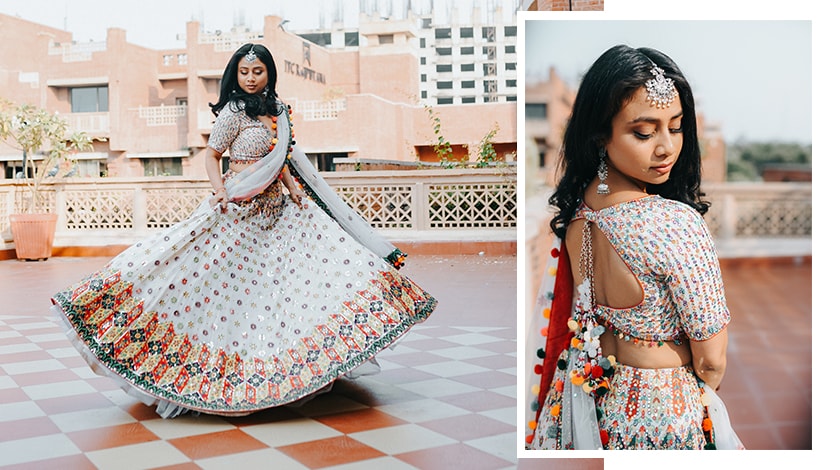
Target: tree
[(31, 129)]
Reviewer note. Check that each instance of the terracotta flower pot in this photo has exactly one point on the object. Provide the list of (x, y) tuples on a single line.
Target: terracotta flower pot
[(33, 235)]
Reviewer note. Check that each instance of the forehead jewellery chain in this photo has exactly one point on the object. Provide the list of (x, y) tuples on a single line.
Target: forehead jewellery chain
[(660, 90)]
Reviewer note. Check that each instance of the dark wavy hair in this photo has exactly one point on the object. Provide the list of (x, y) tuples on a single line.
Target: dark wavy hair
[(606, 87), (230, 92)]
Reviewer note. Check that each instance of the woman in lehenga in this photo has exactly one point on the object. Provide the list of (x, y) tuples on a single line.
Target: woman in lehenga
[(637, 334), (258, 299)]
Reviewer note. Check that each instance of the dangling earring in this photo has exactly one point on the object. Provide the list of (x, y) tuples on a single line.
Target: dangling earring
[(603, 187), (265, 92)]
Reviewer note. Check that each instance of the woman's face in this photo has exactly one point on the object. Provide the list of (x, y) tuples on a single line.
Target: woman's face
[(646, 140), (252, 76)]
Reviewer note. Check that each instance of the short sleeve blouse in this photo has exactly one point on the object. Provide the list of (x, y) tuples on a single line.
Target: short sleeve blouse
[(669, 249), (247, 138)]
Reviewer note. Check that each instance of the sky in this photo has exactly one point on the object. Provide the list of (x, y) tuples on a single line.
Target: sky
[(752, 77), (157, 23)]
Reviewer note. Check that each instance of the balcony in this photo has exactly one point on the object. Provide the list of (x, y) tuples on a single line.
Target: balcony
[(94, 124)]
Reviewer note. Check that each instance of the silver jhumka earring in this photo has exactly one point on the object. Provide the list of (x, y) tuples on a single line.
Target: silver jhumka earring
[(661, 91), (250, 57), (603, 187)]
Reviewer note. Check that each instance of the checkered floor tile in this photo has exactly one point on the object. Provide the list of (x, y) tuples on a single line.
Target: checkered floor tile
[(443, 391)]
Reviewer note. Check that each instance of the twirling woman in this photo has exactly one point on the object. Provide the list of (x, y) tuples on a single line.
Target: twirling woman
[(259, 298)]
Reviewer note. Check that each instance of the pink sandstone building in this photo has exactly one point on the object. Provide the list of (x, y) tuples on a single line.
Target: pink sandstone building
[(148, 109)]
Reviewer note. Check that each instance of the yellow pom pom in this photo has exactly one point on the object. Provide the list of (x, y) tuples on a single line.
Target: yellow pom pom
[(546, 312), (611, 358), (535, 389), (552, 271), (573, 325), (532, 424), (575, 343), (705, 399), (586, 387), (577, 380)]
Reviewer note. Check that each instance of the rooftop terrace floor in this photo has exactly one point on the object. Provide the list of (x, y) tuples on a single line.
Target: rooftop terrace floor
[(446, 396)]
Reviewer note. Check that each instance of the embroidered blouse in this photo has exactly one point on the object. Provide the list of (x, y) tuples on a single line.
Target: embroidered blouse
[(668, 248), (247, 138)]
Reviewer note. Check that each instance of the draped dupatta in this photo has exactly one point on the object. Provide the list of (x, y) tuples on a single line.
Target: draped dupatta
[(259, 175)]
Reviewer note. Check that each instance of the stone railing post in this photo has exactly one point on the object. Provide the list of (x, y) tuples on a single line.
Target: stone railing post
[(728, 217), (140, 213)]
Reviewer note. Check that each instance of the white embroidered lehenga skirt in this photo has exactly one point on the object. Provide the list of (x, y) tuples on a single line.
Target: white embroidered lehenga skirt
[(237, 311)]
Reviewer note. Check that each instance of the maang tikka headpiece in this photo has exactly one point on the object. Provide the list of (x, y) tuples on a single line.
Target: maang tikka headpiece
[(660, 90), (250, 56)]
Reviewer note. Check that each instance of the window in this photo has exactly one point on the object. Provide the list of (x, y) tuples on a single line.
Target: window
[(443, 33), (386, 39), (510, 49), (490, 86), (536, 111), (422, 61), (441, 68), (180, 101), (466, 32), (510, 98), (444, 85), (167, 59), (424, 94), (427, 23), (444, 101), (510, 83), (510, 65), (92, 99), (91, 168), (468, 84), (467, 50), (182, 59), (422, 42), (468, 99), (351, 39), (489, 70), (489, 51), (443, 50), (423, 77), (510, 31), (162, 167), (467, 67), (489, 33)]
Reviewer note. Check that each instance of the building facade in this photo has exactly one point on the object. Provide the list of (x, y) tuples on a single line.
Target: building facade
[(148, 109)]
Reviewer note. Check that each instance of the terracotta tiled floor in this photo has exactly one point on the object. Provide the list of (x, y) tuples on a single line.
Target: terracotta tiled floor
[(445, 397)]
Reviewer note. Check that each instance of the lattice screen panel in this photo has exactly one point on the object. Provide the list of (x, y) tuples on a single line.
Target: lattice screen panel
[(100, 210), (472, 205), (381, 206), (774, 218), (165, 207)]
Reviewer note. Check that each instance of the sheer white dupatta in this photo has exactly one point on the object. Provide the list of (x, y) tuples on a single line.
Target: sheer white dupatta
[(258, 176)]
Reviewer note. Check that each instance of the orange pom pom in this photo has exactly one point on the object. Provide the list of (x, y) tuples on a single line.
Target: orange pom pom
[(532, 424), (555, 410), (529, 438), (707, 424)]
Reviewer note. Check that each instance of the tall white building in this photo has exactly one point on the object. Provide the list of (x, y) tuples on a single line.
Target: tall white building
[(465, 56), (470, 61)]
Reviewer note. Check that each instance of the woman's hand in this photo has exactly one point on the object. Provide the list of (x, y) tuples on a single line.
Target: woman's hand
[(297, 196), (220, 197)]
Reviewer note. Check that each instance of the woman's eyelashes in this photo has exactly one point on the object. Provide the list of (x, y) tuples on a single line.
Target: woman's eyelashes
[(645, 136)]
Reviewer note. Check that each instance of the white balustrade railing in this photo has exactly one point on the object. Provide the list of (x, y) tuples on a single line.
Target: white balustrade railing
[(320, 110), (229, 41), (162, 115), (97, 124), (76, 52), (121, 210)]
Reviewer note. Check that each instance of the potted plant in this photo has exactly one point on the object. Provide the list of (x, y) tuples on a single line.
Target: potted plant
[(32, 130)]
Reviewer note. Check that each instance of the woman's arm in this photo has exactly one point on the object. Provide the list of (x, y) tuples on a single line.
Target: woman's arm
[(709, 358), (214, 173), (295, 193)]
